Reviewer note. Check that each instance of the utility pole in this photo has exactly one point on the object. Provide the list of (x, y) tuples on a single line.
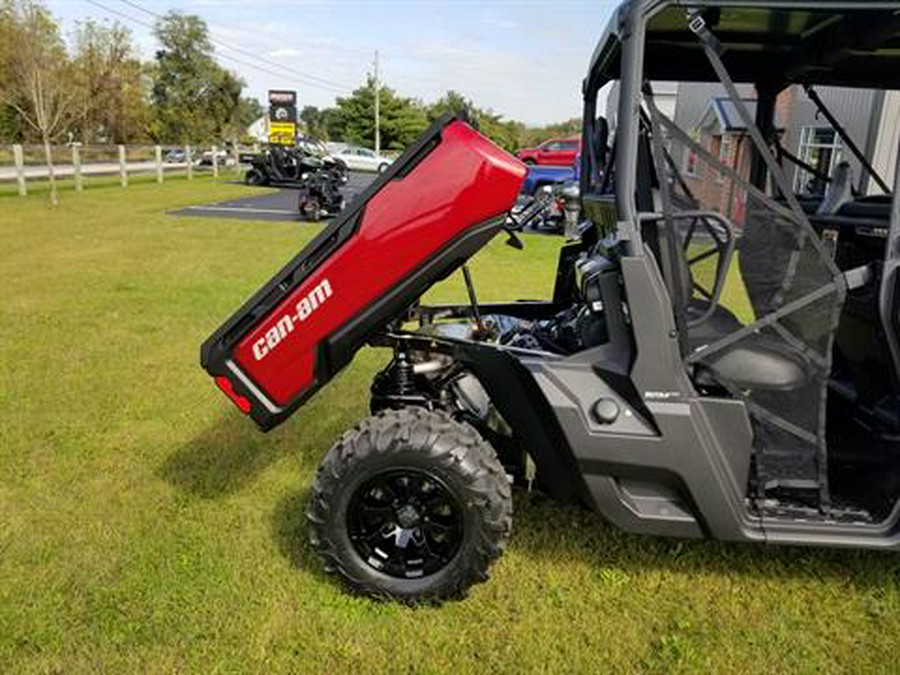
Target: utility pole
[(377, 121)]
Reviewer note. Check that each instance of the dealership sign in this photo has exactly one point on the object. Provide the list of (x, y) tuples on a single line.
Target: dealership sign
[(282, 117)]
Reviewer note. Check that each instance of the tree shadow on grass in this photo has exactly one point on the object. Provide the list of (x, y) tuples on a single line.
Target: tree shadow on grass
[(224, 458), (544, 528)]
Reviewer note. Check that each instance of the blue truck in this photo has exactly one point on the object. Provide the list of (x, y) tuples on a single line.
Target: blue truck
[(541, 175)]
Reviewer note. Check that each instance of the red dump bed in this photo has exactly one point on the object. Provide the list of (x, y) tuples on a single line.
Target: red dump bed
[(437, 205)]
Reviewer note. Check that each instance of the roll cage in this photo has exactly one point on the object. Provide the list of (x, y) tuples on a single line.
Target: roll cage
[(635, 195), (777, 44)]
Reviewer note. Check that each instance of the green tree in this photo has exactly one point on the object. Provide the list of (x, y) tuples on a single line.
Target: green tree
[(195, 99), (38, 76), (455, 103), (333, 124), (11, 129), (247, 112), (115, 101), (401, 119), (313, 121), (506, 134), (536, 135), (11, 126)]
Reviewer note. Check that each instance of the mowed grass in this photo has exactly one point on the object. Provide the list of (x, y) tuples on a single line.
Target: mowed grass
[(146, 526)]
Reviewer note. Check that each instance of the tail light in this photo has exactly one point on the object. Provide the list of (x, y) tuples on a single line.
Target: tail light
[(241, 402)]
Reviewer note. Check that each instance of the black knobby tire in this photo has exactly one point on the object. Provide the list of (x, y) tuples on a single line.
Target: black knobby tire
[(310, 210), (253, 177), (412, 442)]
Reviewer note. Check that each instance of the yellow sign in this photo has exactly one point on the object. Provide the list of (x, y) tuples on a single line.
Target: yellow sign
[(282, 133)]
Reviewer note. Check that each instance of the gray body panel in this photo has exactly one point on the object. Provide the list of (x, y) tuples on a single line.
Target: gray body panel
[(683, 472)]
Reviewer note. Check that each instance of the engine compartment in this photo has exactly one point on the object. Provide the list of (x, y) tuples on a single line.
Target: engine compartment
[(429, 367)]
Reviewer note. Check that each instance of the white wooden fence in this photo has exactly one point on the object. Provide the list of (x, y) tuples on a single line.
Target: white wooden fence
[(76, 162)]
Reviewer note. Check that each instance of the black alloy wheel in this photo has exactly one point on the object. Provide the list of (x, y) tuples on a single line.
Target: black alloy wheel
[(405, 523), (410, 505)]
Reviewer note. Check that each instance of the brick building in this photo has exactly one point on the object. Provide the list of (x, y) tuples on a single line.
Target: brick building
[(722, 132), (871, 119)]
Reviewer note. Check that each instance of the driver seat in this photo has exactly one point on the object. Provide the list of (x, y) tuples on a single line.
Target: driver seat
[(754, 362)]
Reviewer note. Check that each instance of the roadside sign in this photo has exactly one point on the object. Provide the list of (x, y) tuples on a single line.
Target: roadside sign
[(282, 117), (282, 133)]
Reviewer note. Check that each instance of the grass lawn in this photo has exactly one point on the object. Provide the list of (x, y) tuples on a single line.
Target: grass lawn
[(146, 526)]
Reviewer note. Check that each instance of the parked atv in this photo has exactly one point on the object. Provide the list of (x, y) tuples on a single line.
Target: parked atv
[(318, 196), (639, 389), (284, 166)]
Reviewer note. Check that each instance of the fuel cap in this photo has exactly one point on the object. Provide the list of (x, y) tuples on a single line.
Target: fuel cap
[(606, 411)]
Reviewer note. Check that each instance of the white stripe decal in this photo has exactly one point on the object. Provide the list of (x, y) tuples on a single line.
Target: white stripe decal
[(271, 407)]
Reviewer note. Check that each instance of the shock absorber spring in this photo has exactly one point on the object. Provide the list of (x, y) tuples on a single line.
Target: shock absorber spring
[(403, 373)]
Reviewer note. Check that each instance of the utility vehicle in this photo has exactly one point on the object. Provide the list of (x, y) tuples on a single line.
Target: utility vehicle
[(286, 166), (642, 388)]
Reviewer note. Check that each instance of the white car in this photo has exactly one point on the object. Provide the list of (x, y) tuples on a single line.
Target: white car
[(222, 156), (362, 159)]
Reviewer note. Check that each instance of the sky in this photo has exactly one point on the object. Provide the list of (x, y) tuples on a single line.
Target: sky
[(523, 59)]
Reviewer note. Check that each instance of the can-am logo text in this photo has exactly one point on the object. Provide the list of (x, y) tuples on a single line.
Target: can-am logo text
[(286, 324)]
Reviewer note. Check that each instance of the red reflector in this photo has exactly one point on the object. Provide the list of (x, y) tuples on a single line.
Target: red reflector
[(242, 403)]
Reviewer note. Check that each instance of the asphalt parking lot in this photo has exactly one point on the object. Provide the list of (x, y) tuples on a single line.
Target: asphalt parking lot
[(277, 206), (281, 206)]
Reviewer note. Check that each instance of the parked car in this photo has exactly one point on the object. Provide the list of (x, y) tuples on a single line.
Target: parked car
[(539, 176), (556, 152), (222, 157), (362, 159), (175, 156)]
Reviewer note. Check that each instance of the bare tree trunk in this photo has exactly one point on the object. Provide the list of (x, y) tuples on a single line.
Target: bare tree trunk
[(48, 156)]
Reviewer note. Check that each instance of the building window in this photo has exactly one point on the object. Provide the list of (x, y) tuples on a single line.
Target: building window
[(821, 148)]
